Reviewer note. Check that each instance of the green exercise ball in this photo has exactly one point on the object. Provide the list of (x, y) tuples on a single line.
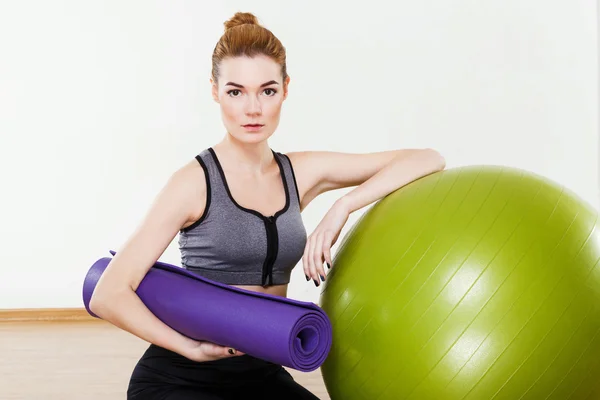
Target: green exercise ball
[(479, 282)]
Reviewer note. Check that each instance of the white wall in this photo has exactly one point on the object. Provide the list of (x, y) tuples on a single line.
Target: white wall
[(101, 101)]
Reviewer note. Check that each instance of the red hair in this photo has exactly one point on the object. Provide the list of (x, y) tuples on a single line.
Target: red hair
[(244, 36)]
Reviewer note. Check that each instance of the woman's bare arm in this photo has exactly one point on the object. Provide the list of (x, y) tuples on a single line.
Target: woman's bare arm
[(180, 203)]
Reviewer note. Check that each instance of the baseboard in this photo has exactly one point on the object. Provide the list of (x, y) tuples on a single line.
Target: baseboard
[(46, 314)]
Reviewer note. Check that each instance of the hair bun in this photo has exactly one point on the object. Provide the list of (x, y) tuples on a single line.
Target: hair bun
[(241, 18)]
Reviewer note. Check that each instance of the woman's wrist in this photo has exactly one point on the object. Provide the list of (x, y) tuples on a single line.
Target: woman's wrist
[(343, 204)]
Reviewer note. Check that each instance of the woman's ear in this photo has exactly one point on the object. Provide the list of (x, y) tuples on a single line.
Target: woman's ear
[(214, 90), (286, 82)]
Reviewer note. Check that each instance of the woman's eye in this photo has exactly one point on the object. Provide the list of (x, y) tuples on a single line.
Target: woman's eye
[(270, 92), (234, 92)]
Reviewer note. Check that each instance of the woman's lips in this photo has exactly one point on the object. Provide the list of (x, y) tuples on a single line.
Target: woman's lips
[(253, 127)]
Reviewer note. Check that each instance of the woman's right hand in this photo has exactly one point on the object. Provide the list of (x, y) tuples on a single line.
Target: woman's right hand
[(202, 351)]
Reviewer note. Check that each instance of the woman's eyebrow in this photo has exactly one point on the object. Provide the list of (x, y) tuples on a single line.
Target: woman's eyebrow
[(241, 87)]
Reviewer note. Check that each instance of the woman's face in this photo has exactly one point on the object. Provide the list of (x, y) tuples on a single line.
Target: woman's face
[(251, 93)]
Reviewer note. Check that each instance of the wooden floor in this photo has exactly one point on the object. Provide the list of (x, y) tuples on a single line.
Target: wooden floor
[(79, 360)]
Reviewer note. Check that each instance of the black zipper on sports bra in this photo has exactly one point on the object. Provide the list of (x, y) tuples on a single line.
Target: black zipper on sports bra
[(272, 249)]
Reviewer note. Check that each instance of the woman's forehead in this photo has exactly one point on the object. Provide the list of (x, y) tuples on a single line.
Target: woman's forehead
[(250, 72)]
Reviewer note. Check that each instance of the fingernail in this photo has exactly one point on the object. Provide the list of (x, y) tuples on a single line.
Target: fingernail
[(322, 278), (316, 283), (307, 278), (231, 351), (328, 266)]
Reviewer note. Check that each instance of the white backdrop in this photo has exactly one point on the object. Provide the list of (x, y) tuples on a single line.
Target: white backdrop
[(101, 101)]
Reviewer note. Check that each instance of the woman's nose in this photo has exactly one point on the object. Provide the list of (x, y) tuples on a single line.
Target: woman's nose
[(253, 106)]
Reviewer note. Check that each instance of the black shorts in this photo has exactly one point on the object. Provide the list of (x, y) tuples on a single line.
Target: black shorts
[(163, 374)]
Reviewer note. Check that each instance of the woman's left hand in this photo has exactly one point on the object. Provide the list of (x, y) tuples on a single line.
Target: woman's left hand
[(319, 243)]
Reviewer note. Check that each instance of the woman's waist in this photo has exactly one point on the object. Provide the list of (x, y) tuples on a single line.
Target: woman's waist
[(248, 280)]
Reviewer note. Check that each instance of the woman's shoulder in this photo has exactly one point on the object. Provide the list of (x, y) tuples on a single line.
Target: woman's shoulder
[(188, 188), (190, 175), (185, 183)]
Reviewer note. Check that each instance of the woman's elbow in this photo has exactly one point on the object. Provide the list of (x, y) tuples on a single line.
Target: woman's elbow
[(437, 160), (100, 301), (104, 299), (97, 304)]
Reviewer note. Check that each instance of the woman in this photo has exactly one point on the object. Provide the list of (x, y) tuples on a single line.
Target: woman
[(236, 208)]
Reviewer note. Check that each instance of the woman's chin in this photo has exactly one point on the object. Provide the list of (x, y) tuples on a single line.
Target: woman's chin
[(251, 137)]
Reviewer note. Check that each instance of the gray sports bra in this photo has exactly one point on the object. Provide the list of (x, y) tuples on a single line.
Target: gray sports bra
[(235, 245)]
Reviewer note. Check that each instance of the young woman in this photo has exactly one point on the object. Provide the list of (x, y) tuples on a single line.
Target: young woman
[(236, 208)]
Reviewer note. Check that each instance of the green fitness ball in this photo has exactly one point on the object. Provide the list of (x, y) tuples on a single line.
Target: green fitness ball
[(479, 282)]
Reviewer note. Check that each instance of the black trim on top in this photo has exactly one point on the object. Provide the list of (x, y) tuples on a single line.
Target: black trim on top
[(293, 177), (249, 210), (208, 196)]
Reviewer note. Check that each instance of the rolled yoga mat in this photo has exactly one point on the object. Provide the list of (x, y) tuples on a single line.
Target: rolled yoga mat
[(277, 329)]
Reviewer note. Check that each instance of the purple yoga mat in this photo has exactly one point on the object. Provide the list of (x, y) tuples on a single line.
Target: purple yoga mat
[(292, 333)]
